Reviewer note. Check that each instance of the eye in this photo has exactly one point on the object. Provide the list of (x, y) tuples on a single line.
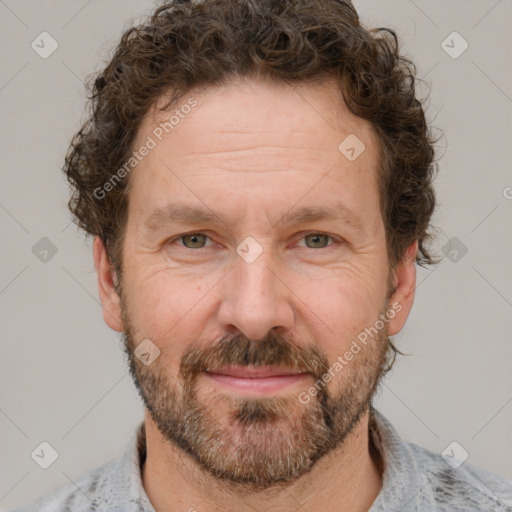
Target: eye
[(317, 240), (196, 240)]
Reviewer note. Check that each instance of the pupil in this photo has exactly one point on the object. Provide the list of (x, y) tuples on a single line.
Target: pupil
[(316, 237), (194, 239)]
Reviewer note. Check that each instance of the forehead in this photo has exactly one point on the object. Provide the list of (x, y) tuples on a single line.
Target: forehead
[(250, 106), (256, 139)]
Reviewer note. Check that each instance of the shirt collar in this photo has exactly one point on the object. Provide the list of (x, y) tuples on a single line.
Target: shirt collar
[(401, 479), (128, 476)]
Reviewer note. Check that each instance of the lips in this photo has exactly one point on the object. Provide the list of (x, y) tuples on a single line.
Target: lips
[(260, 372), (256, 381)]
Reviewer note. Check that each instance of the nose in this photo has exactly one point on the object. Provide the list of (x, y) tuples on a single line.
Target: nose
[(255, 299)]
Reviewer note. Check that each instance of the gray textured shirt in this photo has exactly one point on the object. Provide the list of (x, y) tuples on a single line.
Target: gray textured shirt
[(414, 479)]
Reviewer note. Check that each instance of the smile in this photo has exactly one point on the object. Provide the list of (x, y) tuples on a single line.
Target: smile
[(256, 380)]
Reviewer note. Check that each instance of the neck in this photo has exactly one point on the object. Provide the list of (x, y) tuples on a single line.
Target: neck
[(347, 479)]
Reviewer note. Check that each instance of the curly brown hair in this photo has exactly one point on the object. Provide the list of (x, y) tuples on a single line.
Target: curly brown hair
[(189, 43)]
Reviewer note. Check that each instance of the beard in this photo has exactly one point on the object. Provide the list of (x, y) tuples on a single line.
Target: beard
[(256, 443)]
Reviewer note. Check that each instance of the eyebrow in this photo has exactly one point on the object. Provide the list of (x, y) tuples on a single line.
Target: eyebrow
[(184, 214)]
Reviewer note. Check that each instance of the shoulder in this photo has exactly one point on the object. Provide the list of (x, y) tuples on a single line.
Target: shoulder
[(91, 493), (418, 479), (462, 487)]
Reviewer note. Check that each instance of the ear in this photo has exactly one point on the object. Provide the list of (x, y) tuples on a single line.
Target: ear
[(108, 295), (404, 284)]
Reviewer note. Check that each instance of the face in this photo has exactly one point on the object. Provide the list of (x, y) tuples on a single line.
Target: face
[(255, 263)]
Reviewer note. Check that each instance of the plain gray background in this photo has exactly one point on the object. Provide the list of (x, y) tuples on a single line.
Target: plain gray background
[(62, 371)]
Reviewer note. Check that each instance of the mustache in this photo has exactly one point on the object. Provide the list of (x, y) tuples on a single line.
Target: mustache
[(239, 350)]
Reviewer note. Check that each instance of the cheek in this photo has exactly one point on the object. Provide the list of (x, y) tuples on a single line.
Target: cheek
[(338, 310), (166, 311)]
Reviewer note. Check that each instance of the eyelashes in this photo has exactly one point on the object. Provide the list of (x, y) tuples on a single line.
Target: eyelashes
[(194, 236)]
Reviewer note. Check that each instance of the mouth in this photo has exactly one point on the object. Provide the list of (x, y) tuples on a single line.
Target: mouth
[(255, 380)]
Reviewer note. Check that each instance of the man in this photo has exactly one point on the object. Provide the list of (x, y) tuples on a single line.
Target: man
[(258, 179)]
